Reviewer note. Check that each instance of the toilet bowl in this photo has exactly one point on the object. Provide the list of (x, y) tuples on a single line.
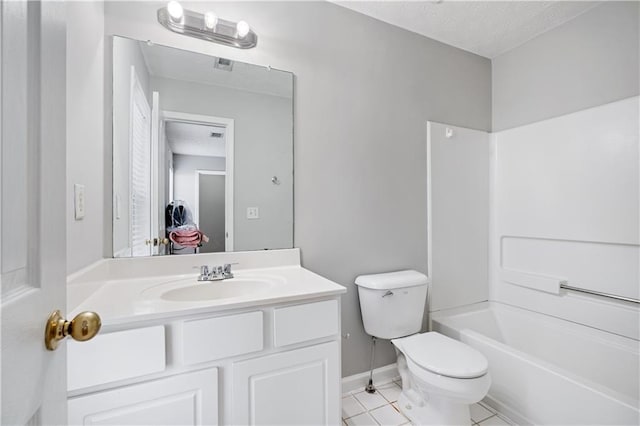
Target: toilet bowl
[(441, 376)]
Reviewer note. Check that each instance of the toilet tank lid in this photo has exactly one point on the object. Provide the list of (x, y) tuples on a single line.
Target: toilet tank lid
[(389, 280)]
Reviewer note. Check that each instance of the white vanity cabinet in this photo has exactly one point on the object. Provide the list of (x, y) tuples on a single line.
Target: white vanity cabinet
[(277, 364)]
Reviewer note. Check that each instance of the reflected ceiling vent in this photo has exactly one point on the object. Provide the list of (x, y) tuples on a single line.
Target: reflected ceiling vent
[(223, 64)]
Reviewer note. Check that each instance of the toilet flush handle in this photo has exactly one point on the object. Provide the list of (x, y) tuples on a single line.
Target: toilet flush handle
[(388, 293)]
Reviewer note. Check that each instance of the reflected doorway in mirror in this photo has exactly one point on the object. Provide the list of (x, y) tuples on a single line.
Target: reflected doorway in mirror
[(202, 147)]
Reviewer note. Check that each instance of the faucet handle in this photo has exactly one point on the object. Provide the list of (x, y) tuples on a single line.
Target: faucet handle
[(227, 270), (204, 273)]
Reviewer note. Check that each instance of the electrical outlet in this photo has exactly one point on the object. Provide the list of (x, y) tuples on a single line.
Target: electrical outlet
[(253, 213), (78, 197)]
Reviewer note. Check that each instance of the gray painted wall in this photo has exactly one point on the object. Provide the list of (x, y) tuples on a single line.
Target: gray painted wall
[(589, 61), (263, 128), (85, 132), (364, 92)]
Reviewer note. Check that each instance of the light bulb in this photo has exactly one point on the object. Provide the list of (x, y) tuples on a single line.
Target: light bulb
[(242, 28), (210, 20), (175, 10)]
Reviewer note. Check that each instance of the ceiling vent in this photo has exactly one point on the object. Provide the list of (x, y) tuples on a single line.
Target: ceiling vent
[(223, 64)]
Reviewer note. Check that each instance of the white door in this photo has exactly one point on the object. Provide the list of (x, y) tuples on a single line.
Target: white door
[(159, 171), (32, 209), (210, 209), (140, 171)]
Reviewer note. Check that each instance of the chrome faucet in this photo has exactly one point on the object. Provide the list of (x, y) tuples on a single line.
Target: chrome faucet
[(216, 273)]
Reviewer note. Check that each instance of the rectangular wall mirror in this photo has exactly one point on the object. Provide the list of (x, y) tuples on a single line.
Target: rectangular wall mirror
[(202, 153)]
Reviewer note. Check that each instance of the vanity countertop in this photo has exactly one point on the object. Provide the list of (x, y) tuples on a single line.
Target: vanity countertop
[(135, 299)]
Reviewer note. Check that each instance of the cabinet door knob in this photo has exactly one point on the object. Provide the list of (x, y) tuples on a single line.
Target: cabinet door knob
[(83, 327)]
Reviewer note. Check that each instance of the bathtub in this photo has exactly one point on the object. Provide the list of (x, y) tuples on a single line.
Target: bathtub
[(549, 371)]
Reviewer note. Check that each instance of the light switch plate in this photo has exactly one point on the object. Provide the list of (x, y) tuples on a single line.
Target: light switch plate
[(253, 213), (78, 200)]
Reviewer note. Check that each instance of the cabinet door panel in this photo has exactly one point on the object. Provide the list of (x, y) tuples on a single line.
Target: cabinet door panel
[(185, 399), (299, 387)]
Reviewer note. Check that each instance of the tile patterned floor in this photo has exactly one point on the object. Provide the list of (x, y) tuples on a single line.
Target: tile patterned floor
[(381, 408)]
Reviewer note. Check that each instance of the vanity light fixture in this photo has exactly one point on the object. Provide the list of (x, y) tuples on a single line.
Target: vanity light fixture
[(207, 26)]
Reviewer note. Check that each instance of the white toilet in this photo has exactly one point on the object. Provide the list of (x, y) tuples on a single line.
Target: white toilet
[(441, 376)]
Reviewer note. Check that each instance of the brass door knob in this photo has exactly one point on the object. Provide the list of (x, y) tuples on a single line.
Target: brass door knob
[(83, 327)]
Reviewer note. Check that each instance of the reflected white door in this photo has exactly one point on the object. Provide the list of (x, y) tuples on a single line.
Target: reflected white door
[(210, 209), (140, 173), (158, 176), (32, 209)]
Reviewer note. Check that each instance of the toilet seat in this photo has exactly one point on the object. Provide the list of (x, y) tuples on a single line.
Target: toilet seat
[(441, 355), (465, 391)]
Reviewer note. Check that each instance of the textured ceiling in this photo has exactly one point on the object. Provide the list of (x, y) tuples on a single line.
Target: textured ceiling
[(487, 28)]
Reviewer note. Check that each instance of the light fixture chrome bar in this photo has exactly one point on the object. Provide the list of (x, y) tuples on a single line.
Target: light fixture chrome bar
[(599, 293), (193, 24)]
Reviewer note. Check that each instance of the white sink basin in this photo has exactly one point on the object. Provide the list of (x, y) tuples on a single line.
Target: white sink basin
[(211, 290), (191, 290)]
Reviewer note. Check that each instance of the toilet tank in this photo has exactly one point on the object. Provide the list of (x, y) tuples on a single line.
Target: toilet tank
[(392, 304)]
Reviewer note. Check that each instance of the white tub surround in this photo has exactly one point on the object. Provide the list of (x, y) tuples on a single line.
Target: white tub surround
[(563, 213), (457, 163), (565, 207), (266, 352), (546, 370)]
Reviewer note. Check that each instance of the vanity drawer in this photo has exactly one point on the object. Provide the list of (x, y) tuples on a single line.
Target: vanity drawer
[(221, 337), (300, 323), (110, 357)]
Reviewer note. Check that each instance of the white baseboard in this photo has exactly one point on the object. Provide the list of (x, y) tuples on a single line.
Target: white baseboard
[(506, 411), (380, 375)]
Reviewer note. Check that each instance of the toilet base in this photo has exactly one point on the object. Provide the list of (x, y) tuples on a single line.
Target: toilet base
[(436, 411)]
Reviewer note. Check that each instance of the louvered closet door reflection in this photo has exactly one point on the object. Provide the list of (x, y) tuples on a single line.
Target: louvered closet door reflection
[(140, 145)]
